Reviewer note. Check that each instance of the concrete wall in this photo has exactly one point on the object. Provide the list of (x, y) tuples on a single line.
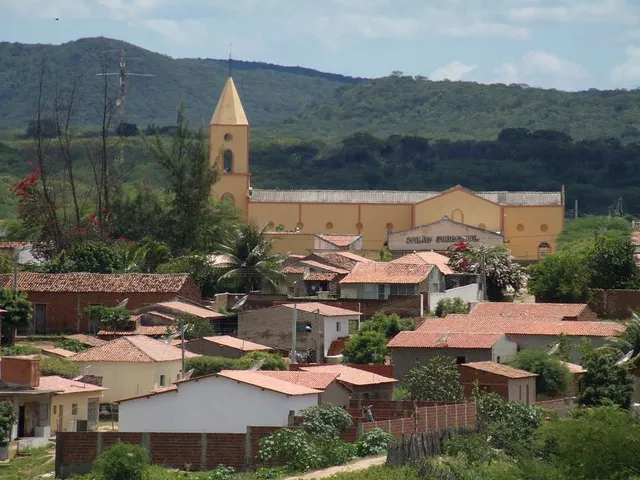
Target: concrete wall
[(468, 293), (65, 403), (527, 227), (335, 394), (522, 390), (334, 328), (208, 348), (236, 405), (129, 379), (543, 341)]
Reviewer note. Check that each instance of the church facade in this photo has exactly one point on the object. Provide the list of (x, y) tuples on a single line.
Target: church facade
[(529, 222)]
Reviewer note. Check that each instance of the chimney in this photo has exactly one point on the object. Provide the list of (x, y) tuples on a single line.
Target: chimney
[(23, 370)]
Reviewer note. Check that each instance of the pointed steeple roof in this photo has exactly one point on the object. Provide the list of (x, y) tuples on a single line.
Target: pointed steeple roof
[(229, 110)]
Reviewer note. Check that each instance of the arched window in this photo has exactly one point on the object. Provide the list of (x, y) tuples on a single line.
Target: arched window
[(227, 197), (457, 216), (544, 249), (228, 161)]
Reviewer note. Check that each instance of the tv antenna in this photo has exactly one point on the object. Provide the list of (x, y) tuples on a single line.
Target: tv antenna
[(121, 100)]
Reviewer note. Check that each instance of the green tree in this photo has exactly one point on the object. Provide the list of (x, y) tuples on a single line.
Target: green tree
[(123, 461), (502, 271), (195, 327), (389, 324), (156, 253), (6, 263), (19, 312), (191, 178), (451, 305), (553, 377), (139, 212), (563, 348), (71, 344), (369, 347), (110, 318), (581, 229), (8, 419), (612, 263), (605, 382), (268, 361), (201, 270), (384, 255), (89, 257), (62, 367), (326, 420), (248, 261), (562, 277), (438, 380)]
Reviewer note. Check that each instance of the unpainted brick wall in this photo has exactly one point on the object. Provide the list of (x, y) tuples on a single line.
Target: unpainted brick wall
[(616, 304)]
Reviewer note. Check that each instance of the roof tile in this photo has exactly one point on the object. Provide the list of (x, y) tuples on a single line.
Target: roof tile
[(339, 240), (543, 311), (350, 375), (315, 380), (54, 382), (499, 369), (437, 340), (190, 309), (237, 343), (387, 272), (322, 309), (428, 258), (86, 339), (135, 348), (256, 379), (59, 352)]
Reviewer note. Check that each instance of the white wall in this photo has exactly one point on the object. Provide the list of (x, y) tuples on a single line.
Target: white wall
[(130, 379), (331, 332), (212, 404), (505, 349), (518, 390), (468, 293)]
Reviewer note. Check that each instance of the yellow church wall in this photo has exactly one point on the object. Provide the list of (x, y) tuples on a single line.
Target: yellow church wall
[(293, 243), (525, 228), (239, 145), (329, 218), (460, 206), (286, 214), (377, 219)]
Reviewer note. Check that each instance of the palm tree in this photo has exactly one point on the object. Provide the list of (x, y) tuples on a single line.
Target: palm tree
[(247, 260), (628, 340)]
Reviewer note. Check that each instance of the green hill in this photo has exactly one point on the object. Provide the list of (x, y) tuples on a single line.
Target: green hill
[(465, 110), (270, 93)]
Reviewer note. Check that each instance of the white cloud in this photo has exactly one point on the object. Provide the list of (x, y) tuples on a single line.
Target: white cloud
[(186, 32), (80, 9), (481, 29), (545, 63), (455, 71), (577, 11), (627, 73)]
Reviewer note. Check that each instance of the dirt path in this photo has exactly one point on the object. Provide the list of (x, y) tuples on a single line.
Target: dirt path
[(349, 467)]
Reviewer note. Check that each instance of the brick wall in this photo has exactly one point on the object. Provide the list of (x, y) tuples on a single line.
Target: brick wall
[(615, 303), (558, 404), (387, 409)]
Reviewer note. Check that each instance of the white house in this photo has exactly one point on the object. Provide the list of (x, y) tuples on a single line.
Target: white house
[(227, 402)]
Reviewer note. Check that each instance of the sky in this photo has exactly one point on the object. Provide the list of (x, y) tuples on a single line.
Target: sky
[(562, 44)]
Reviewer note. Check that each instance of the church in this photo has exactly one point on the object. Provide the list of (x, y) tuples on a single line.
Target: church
[(528, 223)]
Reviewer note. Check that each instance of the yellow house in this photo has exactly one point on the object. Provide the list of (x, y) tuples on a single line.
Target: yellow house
[(529, 221), (72, 403), (132, 366)]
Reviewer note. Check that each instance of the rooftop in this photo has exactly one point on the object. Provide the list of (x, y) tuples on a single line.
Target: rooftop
[(438, 340), (499, 369), (96, 282), (350, 375), (550, 311), (229, 109), (237, 343), (66, 386), (257, 379), (324, 266), (339, 240), (322, 309), (320, 277), (574, 367), (151, 330), (315, 380), (86, 339), (190, 309), (135, 349), (428, 258), (59, 352), (387, 272)]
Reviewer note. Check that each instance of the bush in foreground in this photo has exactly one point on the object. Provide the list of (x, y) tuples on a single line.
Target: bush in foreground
[(123, 461)]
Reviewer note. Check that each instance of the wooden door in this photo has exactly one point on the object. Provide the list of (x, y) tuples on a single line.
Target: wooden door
[(40, 315)]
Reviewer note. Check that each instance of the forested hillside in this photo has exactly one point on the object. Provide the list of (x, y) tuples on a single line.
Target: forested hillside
[(270, 93)]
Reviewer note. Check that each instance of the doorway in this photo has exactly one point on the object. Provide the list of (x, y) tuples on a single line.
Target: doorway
[(21, 422), (40, 315)]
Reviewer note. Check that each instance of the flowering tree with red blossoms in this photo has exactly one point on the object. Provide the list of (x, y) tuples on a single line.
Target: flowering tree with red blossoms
[(502, 271)]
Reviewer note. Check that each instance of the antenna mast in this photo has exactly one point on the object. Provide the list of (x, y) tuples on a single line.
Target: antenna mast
[(230, 47)]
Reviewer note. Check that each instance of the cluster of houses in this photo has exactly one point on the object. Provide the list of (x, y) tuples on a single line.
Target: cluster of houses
[(140, 368)]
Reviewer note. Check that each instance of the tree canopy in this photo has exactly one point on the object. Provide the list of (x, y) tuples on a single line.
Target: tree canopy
[(553, 377)]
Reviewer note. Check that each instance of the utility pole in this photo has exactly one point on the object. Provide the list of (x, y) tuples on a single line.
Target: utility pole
[(121, 100), (575, 210), (484, 277), (293, 332)]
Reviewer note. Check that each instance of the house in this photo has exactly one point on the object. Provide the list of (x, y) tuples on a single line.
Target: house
[(132, 365), (176, 308), (412, 349), (86, 340), (332, 391), (75, 405), (566, 312), (327, 241), (526, 332), (135, 327), (362, 384), (57, 352), (447, 283), (317, 326), (224, 346), (380, 280), (577, 383), (226, 402), (512, 384), (59, 300)]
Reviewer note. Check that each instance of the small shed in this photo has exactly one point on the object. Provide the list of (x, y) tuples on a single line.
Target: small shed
[(224, 346), (512, 384), (577, 383)]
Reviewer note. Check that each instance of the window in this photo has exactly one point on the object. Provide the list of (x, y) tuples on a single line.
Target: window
[(228, 161), (382, 295), (402, 289), (544, 227), (460, 360), (303, 328), (162, 382), (457, 216), (337, 326), (228, 137), (228, 198), (544, 249), (520, 227), (520, 392), (498, 359), (74, 409), (329, 225), (55, 409)]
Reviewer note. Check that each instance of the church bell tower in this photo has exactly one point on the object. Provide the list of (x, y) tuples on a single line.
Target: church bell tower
[(229, 149)]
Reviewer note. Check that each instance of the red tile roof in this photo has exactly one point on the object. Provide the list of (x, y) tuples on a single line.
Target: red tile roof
[(155, 391), (341, 259), (86, 339), (96, 282), (339, 240), (387, 272), (237, 343), (635, 238), (320, 277), (257, 379), (541, 311), (437, 340), (151, 330), (12, 245), (573, 367), (135, 348), (322, 309), (190, 309), (59, 352), (519, 326), (428, 258), (499, 369), (324, 266), (165, 316), (66, 386), (297, 268), (350, 375), (315, 380)]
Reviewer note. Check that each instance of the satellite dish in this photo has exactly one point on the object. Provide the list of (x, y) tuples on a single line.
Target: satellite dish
[(257, 365), (625, 358), (240, 303), (77, 379), (187, 375), (443, 339), (123, 303), (554, 348)]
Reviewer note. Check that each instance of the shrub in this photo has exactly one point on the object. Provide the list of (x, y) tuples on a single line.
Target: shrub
[(475, 448), (71, 344), (210, 365), (123, 461), (292, 449), (605, 382), (272, 361), (112, 318), (553, 377), (390, 324), (14, 350), (450, 305), (438, 380), (8, 419), (221, 472), (58, 366), (366, 347), (372, 442), (327, 421)]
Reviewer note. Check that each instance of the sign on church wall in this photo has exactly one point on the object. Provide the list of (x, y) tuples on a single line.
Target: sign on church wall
[(440, 235)]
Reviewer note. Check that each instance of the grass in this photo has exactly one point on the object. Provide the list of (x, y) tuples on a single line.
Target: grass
[(30, 464)]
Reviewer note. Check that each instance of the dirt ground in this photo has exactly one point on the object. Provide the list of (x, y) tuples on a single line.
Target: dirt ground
[(349, 467)]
